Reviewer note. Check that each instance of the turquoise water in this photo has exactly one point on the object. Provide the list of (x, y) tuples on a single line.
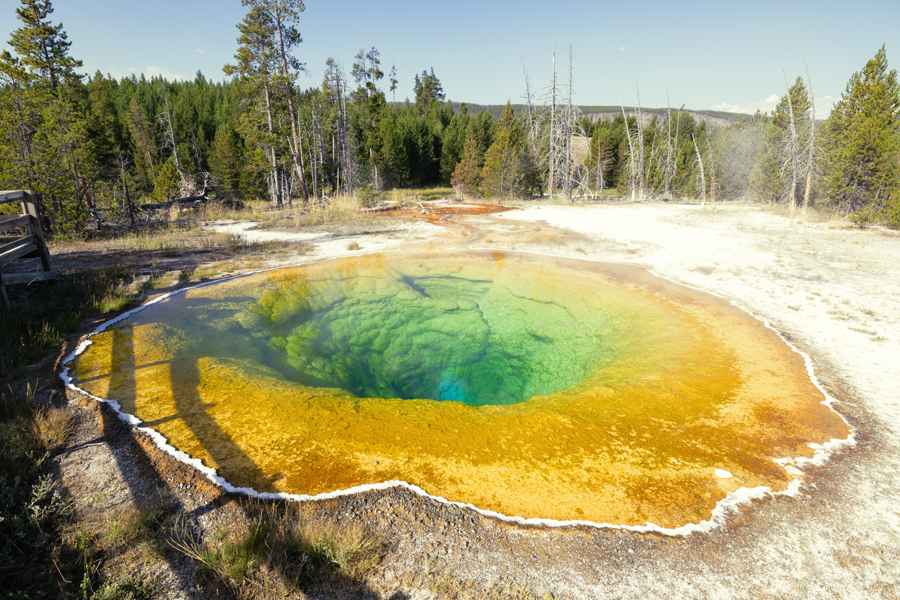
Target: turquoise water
[(440, 336)]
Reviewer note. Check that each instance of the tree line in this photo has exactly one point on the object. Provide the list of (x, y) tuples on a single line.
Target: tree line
[(97, 149)]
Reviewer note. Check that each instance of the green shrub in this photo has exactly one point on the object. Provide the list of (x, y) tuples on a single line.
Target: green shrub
[(864, 217), (891, 213), (368, 196)]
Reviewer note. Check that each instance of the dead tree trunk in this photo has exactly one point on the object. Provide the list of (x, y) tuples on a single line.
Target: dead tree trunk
[(186, 186), (570, 129), (274, 184), (642, 176), (345, 143), (313, 160), (129, 202), (675, 141), (667, 175), (811, 159), (530, 106), (295, 143), (631, 157), (321, 156), (702, 174), (551, 179), (599, 183), (792, 152)]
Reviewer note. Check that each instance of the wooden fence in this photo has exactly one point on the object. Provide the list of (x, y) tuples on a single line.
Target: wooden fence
[(27, 240)]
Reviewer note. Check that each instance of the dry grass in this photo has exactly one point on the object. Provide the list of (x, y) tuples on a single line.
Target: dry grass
[(276, 548), (53, 427), (171, 239), (132, 527), (233, 558), (811, 215), (251, 211), (339, 210), (230, 560), (412, 196), (351, 549)]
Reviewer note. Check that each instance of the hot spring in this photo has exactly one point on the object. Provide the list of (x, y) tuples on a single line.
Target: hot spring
[(528, 386)]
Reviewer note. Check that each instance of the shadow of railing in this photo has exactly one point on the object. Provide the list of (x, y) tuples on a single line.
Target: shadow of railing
[(225, 452), (148, 490)]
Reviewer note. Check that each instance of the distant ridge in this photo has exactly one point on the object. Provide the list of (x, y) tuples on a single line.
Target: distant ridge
[(711, 117)]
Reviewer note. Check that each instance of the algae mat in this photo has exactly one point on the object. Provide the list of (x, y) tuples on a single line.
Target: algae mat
[(534, 387)]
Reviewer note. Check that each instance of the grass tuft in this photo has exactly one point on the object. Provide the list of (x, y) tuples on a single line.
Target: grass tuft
[(114, 300), (129, 589), (277, 538), (233, 559), (53, 427), (133, 527), (350, 550)]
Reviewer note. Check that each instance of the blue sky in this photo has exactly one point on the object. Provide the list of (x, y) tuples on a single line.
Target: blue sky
[(705, 54)]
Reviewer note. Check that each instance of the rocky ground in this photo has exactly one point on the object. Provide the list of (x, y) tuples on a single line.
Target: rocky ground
[(835, 291)]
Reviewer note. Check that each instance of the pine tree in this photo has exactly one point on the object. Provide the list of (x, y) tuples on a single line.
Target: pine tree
[(467, 173), (780, 168), (285, 18), (863, 141), (482, 127), (453, 142), (20, 119), (225, 161), (49, 134), (42, 46), (393, 83), (528, 182), (501, 175), (602, 155), (256, 65), (428, 90), (96, 148), (143, 142), (105, 124), (168, 181), (111, 147), (367, 107)]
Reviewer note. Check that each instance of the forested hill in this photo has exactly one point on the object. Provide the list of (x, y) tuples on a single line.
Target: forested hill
[(608, 113), (97, 149)]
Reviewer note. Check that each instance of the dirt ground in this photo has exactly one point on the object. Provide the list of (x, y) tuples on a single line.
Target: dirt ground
[(833, 290)]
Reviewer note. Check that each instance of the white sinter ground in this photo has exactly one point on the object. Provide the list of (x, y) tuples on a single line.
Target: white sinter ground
[(331, 245), (833, 290)]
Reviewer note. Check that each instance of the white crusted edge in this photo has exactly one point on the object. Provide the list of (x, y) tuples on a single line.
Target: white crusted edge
[(727, 505)]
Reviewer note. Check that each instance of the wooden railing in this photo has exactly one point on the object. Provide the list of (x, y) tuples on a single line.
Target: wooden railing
[(27, 239)]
